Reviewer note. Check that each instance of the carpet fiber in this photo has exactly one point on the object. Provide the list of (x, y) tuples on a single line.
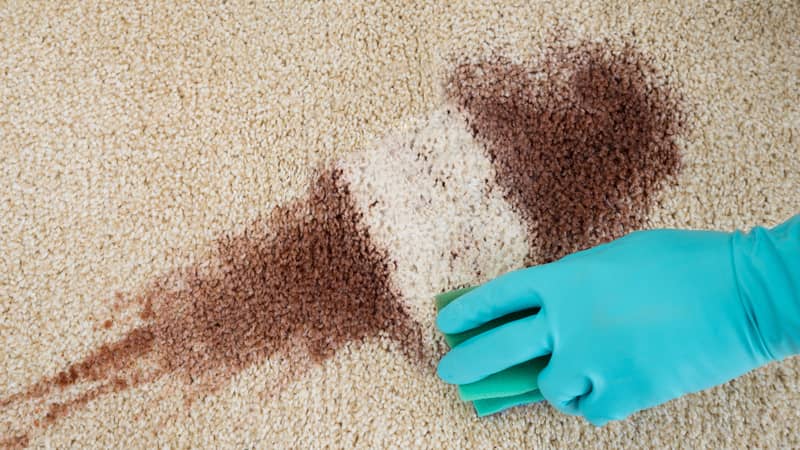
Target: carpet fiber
[(222, 224)]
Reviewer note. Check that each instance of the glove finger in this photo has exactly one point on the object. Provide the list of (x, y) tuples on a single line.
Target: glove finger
[(599, 407), (564, 388), (495, 350), (598, 421), (514, 291), (597, 412)]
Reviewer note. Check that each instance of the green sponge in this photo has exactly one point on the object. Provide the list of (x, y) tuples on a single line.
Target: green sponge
[(511, 387), (515, 380), (491, 406)]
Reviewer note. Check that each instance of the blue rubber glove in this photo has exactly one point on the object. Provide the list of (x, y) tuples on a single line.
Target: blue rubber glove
[(638, 321)]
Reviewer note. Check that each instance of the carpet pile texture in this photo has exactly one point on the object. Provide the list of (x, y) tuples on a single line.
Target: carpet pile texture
[(222, 224)]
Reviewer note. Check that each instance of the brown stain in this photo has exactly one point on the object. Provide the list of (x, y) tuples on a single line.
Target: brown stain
[(581, 140), (306, 281), (299, 284), (15, 442)]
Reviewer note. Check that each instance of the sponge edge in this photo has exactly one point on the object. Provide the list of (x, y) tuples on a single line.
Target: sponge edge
[(514, 386), (513, 381), (491, 406)]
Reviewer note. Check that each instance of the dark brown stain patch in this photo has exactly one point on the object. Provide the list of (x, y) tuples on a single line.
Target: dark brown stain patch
[(581, 140), (299, 284), (306, 281)]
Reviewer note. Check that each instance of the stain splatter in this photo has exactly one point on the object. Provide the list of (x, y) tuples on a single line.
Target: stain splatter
[(299, 284), (581, 140)]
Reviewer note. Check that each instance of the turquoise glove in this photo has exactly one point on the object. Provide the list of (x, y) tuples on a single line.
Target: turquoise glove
[(638, 321)]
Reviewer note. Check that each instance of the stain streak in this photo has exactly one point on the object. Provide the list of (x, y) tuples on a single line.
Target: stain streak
[(300, 283)]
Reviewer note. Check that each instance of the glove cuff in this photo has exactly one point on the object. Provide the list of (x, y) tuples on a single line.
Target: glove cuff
[(767, 265)]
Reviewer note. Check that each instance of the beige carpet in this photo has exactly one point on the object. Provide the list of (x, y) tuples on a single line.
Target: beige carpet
[(222, 224)]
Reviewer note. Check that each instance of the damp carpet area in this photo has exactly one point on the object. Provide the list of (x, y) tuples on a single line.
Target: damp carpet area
[(223, 224)]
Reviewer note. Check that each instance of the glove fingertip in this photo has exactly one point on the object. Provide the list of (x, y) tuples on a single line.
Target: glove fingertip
[(446, 370), (444, 321), (598, 422)]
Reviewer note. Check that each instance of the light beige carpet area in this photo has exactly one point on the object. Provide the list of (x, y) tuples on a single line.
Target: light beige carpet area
[(222, 224)]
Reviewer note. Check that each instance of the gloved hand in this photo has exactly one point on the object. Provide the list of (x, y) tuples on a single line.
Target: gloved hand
[(638, 321)]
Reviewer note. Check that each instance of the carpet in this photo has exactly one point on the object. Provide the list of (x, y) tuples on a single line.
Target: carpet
[(222, 224)]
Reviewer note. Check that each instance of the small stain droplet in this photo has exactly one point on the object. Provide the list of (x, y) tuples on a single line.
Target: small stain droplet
[(15, 442)]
